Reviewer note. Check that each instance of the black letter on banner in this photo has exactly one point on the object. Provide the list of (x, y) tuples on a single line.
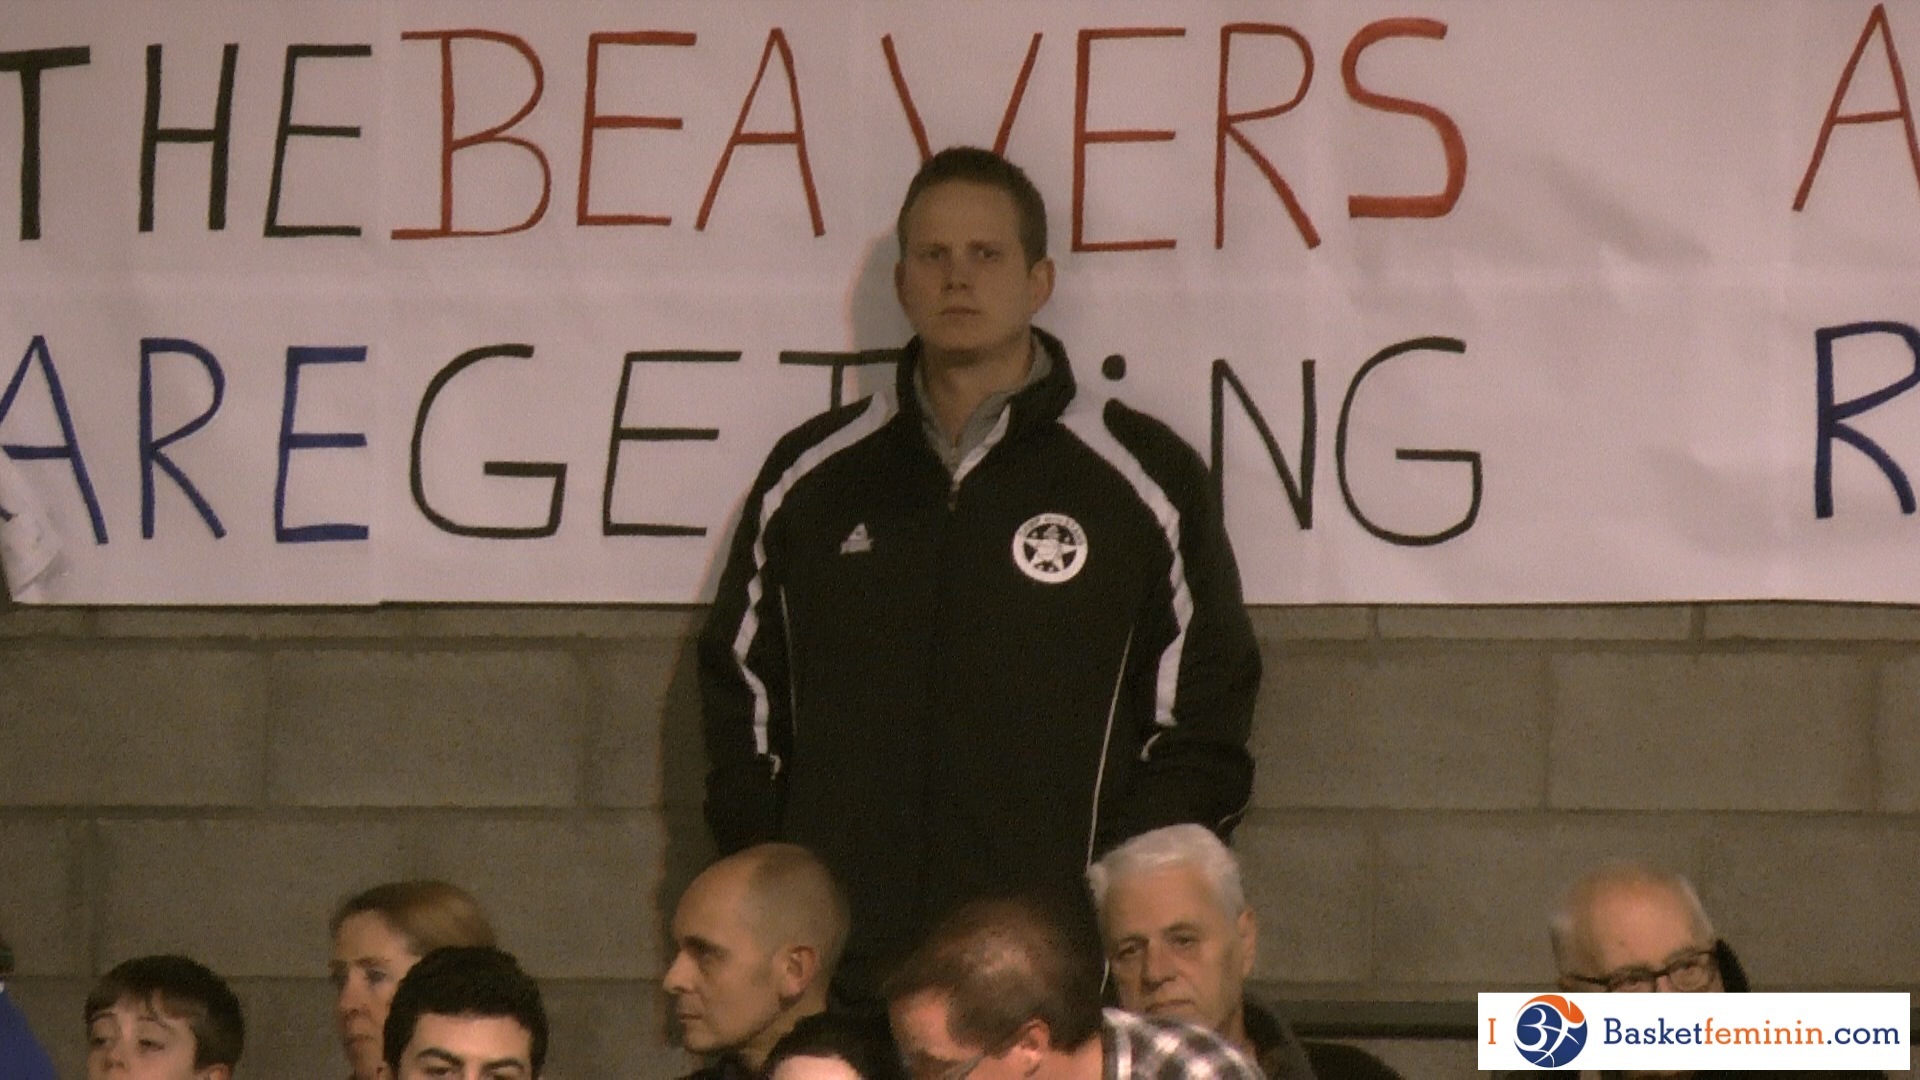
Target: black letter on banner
[(622, 433), (288, 129), (1829, 423), (290, 440), (1472, 458), (152, 135), (30, 64), (70, 449), (152, 450), (552, 470), (839, 362), (1299, 494)]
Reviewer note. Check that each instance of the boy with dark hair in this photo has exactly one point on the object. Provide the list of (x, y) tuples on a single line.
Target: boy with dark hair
[(467, 1012), (163, 1018)]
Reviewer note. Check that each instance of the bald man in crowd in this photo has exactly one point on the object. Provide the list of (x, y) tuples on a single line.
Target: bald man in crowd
[(1180, 941), (1629, 927), (757, 936)]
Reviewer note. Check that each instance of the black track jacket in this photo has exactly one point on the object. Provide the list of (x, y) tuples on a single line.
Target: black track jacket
[(967, 686)]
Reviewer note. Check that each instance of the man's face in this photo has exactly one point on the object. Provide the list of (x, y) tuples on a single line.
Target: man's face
[(468, 1048), (1641, 926), (963, 278), (722, 980), (928, 1046), (1174, 951), (135, 1041)]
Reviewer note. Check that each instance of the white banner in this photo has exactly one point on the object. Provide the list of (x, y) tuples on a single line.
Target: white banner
[(1695, 1031), (1464, 300)]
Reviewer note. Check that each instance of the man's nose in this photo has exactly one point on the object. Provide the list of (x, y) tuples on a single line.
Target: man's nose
[(1153, 966)]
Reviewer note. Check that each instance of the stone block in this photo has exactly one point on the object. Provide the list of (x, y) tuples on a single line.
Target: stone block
[(1816, 904), (1596, 622), (27, 621), (574, 898), (1326, 622), (1466, 900), (1897, 738), (1312, 886), (355, 728), (1811, 622), (554, 622), (289, 1028), (53, 1009), (645, 743), (610, 1031), (247, 898), (1454, 731), (252, 624), (1712, 732), (43, 900), (131, 726)]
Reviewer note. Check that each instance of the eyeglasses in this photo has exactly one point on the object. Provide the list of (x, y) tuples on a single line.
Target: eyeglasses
[(1691, 972)]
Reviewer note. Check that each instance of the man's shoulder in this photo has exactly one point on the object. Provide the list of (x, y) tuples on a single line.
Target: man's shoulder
[(805, 447), (1156, 1047), (1160, 452)]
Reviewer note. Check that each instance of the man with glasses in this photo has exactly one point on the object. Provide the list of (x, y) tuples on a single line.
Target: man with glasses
[(998, 990), (1629, 928)]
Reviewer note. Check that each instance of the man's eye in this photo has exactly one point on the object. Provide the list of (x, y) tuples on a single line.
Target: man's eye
[(375, 976), (97, 1041), (152, 1046)]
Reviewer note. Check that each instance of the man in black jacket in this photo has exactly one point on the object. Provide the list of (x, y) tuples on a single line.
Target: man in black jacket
[(977, 629)]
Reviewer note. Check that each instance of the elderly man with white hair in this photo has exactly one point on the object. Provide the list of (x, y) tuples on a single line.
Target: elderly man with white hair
[(1181, 940)]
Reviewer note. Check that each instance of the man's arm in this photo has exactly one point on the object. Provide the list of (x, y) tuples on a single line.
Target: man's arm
[(1205, 672), (743, 682)]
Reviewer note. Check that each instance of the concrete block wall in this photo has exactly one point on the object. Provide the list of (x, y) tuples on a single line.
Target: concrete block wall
[(215, 781)]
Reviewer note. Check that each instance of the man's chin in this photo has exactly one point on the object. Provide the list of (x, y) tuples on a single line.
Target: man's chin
[(1177, 1010)]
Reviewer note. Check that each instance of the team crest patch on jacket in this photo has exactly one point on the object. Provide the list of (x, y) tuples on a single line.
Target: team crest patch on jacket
[(1050, 548)]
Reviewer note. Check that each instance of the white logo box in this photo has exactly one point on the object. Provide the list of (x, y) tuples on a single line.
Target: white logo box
[(1696, 1031)]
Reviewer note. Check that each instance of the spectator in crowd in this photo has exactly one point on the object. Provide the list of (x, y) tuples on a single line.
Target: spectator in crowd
[(996, 992), (984, 624), (756, 938), (162, 1018), (1180, 941), (21, 1055), (1626, 927), (1629, 927), (829, 1046), (378, 936), (466, 1013)]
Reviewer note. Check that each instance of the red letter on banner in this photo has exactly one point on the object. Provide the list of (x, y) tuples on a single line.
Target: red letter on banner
[(913, 114), (1405, 206), (1082, 137), (1904, 113), (1227, 126), (595, 122), (449, 145), (797, 138)]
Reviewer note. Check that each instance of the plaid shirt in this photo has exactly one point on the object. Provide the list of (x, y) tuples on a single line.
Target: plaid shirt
[(1149, 1048)]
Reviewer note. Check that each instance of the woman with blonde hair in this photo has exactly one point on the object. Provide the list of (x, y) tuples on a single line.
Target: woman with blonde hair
[(378, 935)]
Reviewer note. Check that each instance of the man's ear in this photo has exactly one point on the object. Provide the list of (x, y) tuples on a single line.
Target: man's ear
[(796, 968), (215, 1072), (1248, 927), (1039, 285), (1030, 1047)]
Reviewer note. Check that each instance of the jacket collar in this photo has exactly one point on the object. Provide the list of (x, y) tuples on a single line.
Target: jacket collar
[(1035, 406)]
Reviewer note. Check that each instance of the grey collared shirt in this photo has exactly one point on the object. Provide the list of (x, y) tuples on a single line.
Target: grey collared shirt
[(985, 416)]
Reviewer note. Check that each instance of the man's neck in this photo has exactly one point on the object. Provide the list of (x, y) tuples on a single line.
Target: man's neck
[(1088, 1061), (1234, 1030), (958, 383), (754, 1054)]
